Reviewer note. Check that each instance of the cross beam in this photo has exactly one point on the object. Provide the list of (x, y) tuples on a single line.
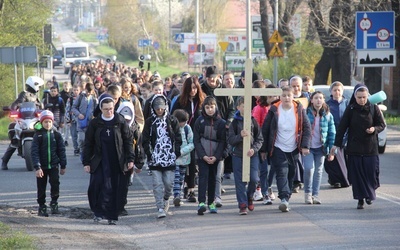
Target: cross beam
[(247, 92)]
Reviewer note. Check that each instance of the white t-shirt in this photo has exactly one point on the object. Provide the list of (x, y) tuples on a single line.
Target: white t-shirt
[(286, 135)]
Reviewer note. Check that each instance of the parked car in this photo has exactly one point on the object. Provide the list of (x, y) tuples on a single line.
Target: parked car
[(347, 93), (57, 58)]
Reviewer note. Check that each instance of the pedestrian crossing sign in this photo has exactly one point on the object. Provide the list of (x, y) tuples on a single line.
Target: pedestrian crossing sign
[(275, 38), (179, 38), (275, 51)]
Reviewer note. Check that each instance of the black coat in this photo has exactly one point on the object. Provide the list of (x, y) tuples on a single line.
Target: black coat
[(41, 148), (92, 151)]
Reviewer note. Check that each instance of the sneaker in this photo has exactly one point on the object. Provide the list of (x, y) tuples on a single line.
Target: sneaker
[(177, 202), (242, 209), (192, 197), (271, 194), (112, 222), (54, 208), (123, 212), (218, 202), (250, 205), (295, 189), (284, 206), (97, 219), (212, 208), (185, 193), (308, 198), (166, 205), (161, 213), (43, 211), (76, 152), (227, 176), (258, 195), (201, 208), (316, 200), (337, 185), (4, 166), (66, 143), (267, 200)]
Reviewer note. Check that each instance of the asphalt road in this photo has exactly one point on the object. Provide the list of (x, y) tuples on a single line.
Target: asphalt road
[(335, 224)]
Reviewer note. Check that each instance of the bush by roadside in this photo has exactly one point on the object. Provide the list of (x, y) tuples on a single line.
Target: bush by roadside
[(10, 239)]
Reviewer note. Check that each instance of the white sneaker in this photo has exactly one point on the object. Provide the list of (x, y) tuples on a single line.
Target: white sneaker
[(307, 198), (258, 195), (271, 194), (218, 202), (267, 200), (284, 206), (166, 205), (161, 213), (316, 200)]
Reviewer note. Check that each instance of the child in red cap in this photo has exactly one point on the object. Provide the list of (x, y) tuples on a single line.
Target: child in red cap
[(48, 154)]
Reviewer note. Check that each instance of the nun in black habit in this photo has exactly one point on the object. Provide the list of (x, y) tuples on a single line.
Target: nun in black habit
[(364, 121), (108, 153)]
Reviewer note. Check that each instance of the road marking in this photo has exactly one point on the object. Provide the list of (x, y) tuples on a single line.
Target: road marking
[(382, 196)]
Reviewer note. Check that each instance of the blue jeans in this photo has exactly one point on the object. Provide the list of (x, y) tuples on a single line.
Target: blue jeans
[(263, 167), (243, 194), (313, 164), (285, 167)]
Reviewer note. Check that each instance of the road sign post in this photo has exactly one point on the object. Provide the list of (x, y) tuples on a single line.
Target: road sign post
[(375, 38)]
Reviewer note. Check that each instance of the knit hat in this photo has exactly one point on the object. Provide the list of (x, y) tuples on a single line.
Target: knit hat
[(159, 103), (46, 114), (104, 97)]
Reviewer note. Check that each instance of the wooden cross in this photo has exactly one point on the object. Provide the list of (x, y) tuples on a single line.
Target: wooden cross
[(247, 92)]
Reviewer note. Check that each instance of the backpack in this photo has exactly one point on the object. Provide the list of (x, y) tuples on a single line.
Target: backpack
[(140, 156)]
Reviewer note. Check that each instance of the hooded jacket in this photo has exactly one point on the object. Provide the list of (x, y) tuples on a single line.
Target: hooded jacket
[(270, 127), (209, 135), (151, 134), (48, 149)]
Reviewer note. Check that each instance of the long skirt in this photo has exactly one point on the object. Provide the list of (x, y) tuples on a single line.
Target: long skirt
[(364, 176), (104, 192), (337, 170)]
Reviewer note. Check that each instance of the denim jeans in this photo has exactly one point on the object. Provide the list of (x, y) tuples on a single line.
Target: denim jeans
[(163, 182), (313, 164), (263, 167), (207, 175), (243, 194), (74, 135), (218, 179), (285, 167)]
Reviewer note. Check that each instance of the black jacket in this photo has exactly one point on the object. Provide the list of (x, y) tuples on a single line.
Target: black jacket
[(92, 152), (27, 96), (41, 149)]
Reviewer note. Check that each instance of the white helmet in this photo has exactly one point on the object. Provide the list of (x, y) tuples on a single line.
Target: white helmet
[(34, 82)]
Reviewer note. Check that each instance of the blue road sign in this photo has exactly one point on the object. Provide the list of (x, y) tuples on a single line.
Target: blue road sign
[(374, 30), (156, 45), (179, 38), (144, 42)]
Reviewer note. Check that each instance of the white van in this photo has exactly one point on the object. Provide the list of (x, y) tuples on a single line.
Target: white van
[(72, 52)]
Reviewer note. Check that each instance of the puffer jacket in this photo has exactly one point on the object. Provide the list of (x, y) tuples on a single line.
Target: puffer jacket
[(270, 127), (327, 128), (48, 149)]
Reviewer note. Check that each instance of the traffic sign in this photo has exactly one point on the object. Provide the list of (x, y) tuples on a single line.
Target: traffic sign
[(179, 38), (275, 38), (223, 45), (144, 42), (374, 30), (258, 43), (156, 45), (376, 58), (275, 51)]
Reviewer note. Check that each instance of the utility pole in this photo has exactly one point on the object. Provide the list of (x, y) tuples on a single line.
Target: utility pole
[(276, 28)]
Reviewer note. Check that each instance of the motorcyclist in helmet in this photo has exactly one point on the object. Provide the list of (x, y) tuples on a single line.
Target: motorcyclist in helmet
[(30, 94)]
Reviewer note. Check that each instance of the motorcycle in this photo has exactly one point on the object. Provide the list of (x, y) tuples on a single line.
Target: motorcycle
[(21, 131)]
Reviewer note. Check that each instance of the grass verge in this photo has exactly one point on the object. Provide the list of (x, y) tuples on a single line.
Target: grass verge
[(10, 239), (4, 127)]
